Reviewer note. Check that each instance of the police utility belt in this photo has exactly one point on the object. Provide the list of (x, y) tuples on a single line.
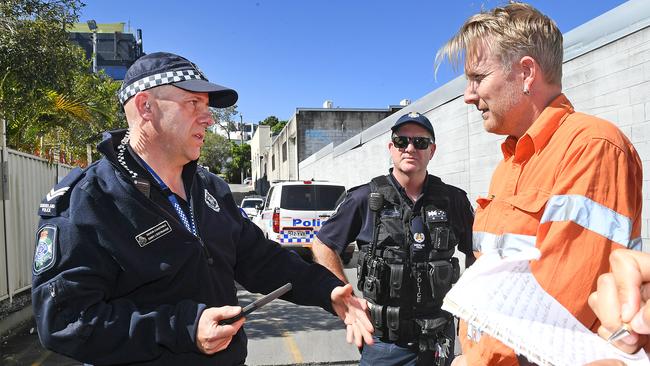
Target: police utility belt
[(408, 268)]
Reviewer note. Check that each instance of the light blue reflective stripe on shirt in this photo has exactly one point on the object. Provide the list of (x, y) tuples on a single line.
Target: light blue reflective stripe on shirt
[(636, 244), (504, 244), (590, 215)]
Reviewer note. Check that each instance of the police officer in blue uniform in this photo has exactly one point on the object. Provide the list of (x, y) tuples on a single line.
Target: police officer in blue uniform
[(137, 255), (407, 225)]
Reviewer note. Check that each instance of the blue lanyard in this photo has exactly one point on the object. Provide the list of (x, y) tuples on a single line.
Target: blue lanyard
[(189, 224)]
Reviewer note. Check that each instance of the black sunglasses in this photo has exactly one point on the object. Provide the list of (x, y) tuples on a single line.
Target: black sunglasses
[(419, 142)]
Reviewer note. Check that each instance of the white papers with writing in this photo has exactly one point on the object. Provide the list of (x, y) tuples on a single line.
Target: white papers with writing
[(501, 297)]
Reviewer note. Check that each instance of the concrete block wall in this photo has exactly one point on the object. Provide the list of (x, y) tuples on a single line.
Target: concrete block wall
[(610, 80), (312, 129), (613, 82), (281, 165), (260, 144), (319, 127)]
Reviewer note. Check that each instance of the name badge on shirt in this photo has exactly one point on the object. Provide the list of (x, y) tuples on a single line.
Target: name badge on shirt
[(147, 237)]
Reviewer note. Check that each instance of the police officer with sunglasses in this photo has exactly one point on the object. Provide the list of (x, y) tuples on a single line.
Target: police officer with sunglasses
[(407, 225)]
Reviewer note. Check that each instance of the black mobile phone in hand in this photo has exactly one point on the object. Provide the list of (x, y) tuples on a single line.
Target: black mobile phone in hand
[(257, 304)]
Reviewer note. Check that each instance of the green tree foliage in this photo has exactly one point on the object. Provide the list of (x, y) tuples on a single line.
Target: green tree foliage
[(241, 162), (48, 96), (226, 157), (277, 128), (225, 118), (223, 155), (270, 121), (275, 124), (215, 153)]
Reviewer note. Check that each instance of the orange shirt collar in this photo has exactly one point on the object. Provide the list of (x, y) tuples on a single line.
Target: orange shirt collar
[(543, 128)]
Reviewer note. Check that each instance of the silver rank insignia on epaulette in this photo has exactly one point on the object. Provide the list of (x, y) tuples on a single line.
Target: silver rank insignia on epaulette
[(48, 205), (56, 193), (51, 203)]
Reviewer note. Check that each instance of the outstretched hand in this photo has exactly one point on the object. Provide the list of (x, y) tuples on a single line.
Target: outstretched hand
[(354, 313), (212, 337)]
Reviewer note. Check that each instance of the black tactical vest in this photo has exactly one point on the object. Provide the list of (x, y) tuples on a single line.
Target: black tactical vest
[(408, 267)]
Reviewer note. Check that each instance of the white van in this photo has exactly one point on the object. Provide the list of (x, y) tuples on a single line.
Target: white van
[(294, 211)]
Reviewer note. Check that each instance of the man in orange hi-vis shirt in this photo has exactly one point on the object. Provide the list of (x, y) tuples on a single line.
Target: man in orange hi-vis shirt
[(569, 183)]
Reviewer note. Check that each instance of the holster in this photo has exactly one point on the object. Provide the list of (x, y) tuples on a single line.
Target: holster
[(396, 279), (442, 274), (377, 274), (377, 316), (362, 260), (430, 331), (392, 317)]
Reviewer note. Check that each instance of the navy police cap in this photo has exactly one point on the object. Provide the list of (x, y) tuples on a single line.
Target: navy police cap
[(161, 68), (418, 119)]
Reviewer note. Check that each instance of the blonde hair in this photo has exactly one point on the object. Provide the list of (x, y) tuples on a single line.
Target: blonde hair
[(509, 32)]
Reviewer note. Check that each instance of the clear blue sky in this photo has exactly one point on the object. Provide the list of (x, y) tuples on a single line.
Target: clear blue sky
[(284, 54)]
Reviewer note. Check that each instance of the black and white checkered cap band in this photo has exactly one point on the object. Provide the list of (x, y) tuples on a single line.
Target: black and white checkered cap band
[(156, 80)]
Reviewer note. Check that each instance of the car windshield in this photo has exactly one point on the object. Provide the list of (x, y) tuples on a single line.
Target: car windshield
[(250, 203), (311, 197)]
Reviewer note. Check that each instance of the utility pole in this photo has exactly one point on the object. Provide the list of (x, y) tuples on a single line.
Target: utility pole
[(241, 144), (92, 25), (4, 163)]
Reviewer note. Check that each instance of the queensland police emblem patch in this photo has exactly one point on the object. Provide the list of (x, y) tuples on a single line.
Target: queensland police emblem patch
[(45, 252), (418, 237), (211, 201)]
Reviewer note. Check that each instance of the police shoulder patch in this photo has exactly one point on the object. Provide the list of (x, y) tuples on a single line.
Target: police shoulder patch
[(45, 252)]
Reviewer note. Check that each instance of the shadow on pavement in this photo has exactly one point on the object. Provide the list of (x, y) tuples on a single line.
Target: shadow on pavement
[(22, 348), (282, 316)]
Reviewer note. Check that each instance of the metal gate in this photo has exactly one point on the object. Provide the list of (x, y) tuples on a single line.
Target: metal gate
[(25, 180)]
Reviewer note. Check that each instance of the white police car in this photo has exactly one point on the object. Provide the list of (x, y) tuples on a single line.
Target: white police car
[(250, 204), (294, 211)]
